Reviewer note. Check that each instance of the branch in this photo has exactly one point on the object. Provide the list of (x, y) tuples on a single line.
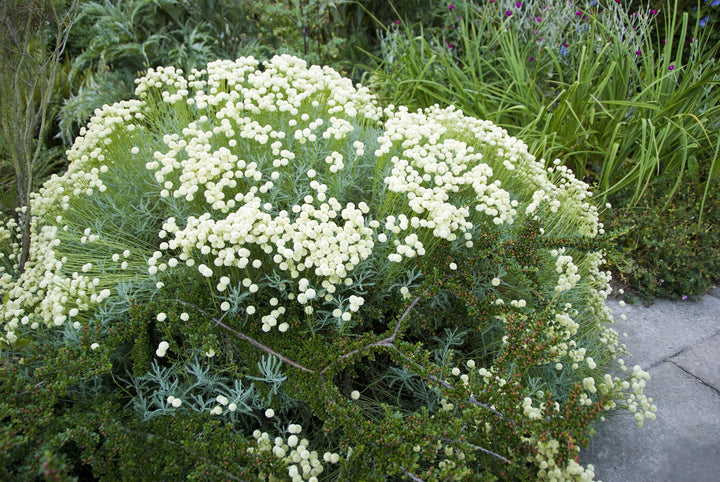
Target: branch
[(477, 447), (250, 340), (385, 342), (411, 475), (445, 384), (28, 390)]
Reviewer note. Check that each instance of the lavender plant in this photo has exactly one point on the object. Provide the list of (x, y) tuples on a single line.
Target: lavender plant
[(250, 253)]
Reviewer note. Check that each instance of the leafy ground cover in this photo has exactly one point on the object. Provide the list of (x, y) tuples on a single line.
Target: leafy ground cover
[(257, 272)]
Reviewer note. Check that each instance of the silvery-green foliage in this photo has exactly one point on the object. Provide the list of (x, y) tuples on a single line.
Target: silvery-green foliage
[(197, 385), (270, 369)]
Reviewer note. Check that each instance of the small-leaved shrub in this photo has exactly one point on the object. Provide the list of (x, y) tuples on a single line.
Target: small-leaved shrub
[(668, 252), (255, 272)]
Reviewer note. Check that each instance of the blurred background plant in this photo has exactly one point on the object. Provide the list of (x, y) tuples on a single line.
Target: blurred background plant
[(667, 253), (117, 39)]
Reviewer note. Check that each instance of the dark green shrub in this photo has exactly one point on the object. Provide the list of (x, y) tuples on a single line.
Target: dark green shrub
[(669, 252)]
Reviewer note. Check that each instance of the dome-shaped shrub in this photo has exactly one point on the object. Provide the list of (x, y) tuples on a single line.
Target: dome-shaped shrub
[(254, 272)]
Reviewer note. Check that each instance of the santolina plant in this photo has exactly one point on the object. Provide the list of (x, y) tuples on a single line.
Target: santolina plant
[(255, 271)]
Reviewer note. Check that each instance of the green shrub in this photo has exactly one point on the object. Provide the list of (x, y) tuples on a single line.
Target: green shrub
[(255, 272), (669, 251)]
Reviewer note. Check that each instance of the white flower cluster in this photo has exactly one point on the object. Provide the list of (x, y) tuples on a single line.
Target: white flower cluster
[(568, 271), (223, 401), (533, 413), (87, 158), (162, 349), (246, 134), (546, 460), (313, 242), (637, 403), (432, 170), (557, 187), (48, 292), (160, 79), (318, 235), (302, 463)]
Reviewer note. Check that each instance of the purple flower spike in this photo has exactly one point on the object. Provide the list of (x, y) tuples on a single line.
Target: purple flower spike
[(532, 58), (398, 22), (684, 297), (508, 13), (653, 12), (638, 52), (518, 5), (451, 6), (578, 13), (671, 67)]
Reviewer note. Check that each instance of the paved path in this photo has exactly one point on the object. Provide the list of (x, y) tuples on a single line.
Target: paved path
[(678, 343)]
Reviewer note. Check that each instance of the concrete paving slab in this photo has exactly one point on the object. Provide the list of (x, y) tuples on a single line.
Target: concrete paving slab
[(682, 444), (665, 328), (703, 361)]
